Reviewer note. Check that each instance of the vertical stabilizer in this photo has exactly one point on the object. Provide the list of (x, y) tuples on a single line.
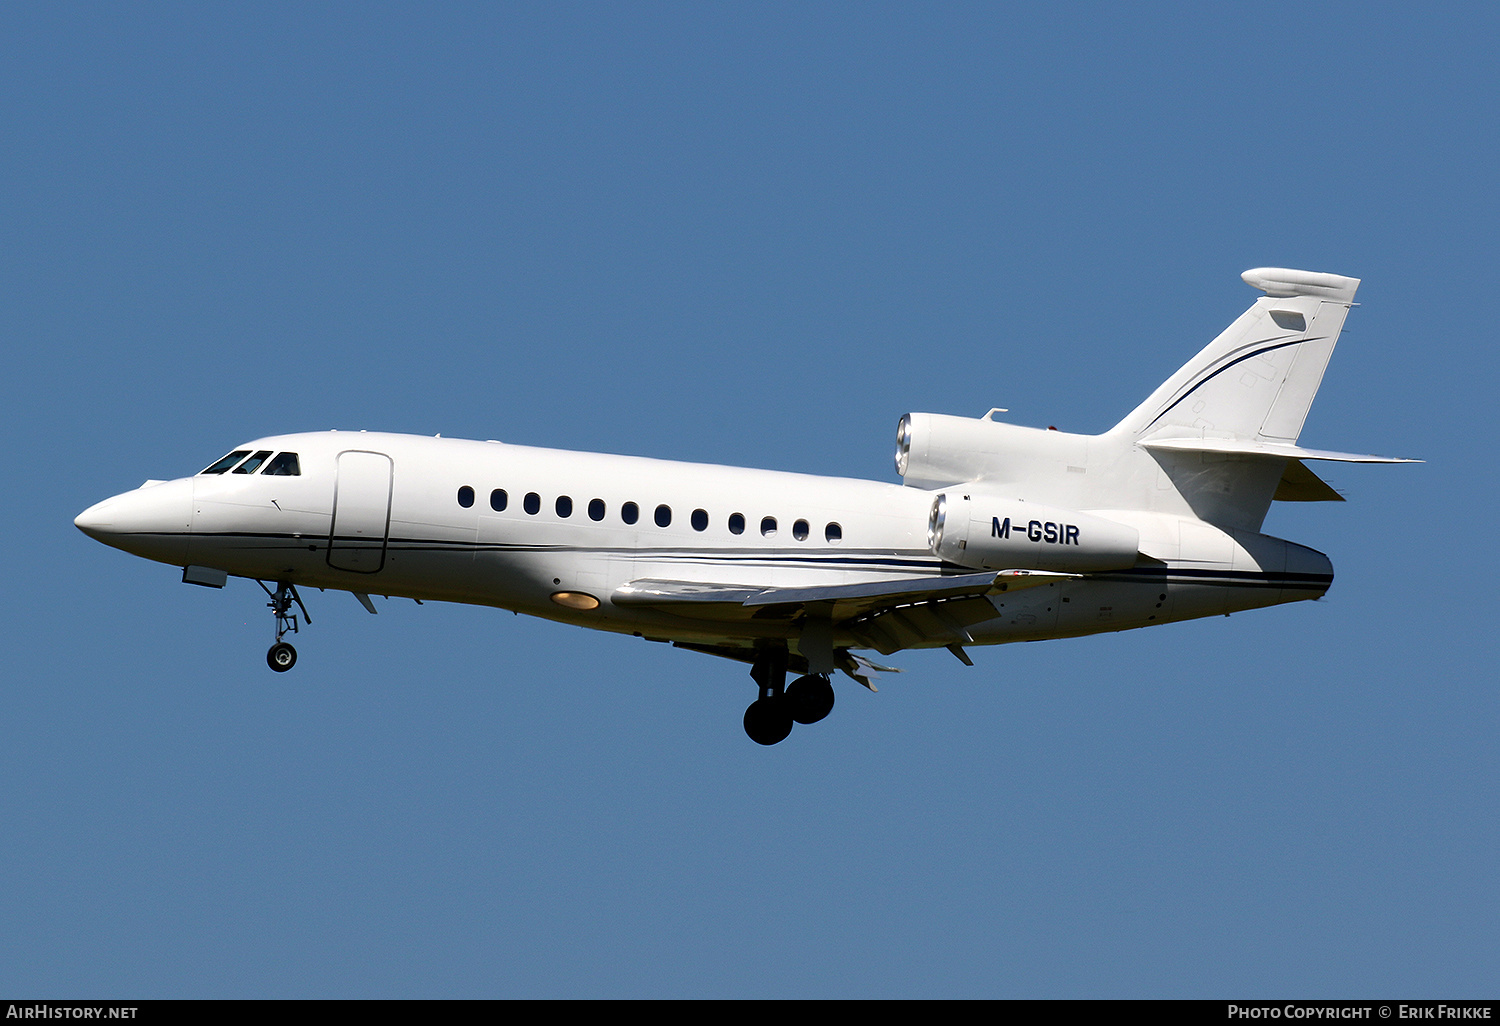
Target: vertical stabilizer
[(1249, 388), (1257, 379)]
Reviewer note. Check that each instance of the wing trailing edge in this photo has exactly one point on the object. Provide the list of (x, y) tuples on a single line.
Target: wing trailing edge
[(848, 599), (887, 615)]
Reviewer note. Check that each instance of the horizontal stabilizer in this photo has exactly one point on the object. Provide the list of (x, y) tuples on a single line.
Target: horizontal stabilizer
[(1298, 484), (1261, 447)]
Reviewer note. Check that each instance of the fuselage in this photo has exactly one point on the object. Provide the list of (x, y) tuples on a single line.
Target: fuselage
[(558, 534), (998, 532)]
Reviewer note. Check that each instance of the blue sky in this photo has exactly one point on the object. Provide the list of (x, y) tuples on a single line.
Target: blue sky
[(757, 235)]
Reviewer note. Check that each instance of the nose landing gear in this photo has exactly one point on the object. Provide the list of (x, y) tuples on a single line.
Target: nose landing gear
[(282, 656)]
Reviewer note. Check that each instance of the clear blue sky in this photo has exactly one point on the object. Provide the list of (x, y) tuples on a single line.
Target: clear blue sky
[(752, 234)]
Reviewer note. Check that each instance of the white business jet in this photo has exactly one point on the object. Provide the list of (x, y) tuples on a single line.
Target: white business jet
[(997, 533)]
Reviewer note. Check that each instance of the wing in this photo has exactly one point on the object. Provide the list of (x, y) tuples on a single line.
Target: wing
[(886, 615)]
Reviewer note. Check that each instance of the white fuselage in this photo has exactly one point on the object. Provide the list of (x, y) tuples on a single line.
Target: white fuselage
[(998, 532), (410, 516)]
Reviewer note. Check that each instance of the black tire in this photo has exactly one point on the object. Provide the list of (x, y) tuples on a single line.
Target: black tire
[(811, 698), (768, 720), (282, 657)]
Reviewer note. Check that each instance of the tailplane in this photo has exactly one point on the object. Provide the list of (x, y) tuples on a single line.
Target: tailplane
[(1216, 442), (1223, 429)]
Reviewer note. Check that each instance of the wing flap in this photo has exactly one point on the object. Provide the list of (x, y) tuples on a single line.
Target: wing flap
[(850, 598), (888, 615), (838, 602), (933, 622), (878, 592)]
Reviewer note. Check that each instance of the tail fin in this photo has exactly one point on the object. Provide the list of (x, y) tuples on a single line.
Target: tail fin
[(1256, 381), (1223, 429)]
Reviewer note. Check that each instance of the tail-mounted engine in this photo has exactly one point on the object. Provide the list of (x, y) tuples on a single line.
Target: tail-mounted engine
[(989, 533), (934, 450)]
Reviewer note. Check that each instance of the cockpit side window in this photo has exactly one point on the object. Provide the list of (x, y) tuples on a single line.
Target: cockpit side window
[(284, 465), (249, 466), (226, 462)]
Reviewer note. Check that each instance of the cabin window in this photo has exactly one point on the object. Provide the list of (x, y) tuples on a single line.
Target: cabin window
[(700, 520), (466, 496), (799, 530), (736, 523), (227, 462), (532, 503), (768, 526), (630, 512), (564, 506), (498, 500), (250, 465), (833, 533), (663, 516), (284, 465), (596, 509)]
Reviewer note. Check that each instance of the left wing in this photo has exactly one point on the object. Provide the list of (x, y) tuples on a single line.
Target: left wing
[(886, 615), (841, 602)]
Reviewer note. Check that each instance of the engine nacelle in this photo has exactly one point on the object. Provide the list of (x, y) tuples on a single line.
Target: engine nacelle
[(991, 533), (934, 450)]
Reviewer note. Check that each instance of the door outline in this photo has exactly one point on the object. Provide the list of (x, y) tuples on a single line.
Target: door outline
[(365, 507)]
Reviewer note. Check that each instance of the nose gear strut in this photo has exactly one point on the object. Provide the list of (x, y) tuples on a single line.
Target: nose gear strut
[(282, 656)]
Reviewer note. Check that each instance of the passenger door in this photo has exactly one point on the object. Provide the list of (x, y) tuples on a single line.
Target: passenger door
[(361, 512)]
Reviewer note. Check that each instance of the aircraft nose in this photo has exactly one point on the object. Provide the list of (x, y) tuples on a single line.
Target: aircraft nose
[(93, 520), (98, 520), (151, 521)]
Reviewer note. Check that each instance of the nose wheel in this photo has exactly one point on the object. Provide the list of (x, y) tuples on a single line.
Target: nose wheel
[(282, 656)]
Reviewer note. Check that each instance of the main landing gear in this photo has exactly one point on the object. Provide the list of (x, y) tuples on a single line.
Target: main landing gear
[(770, 717), (282, 656)]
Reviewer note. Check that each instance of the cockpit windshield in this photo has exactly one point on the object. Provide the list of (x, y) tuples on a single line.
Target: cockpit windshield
[(284, 465), (250, 465), (226, 462)]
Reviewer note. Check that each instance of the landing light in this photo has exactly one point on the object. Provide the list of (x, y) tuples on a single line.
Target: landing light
[(575, 600)]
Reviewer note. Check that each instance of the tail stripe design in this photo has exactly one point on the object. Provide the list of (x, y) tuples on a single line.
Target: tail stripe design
[(1210, 373)]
